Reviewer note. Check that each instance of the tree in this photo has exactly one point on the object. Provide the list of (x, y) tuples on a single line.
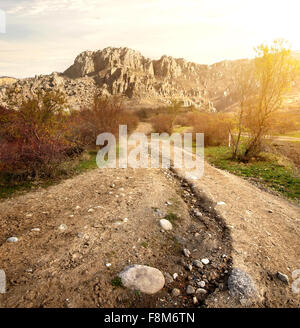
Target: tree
[(260, 89)]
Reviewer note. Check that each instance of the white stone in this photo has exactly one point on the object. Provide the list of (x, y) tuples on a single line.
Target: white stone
[(205, 261), (146, 279), (12, 239), (165, 224)]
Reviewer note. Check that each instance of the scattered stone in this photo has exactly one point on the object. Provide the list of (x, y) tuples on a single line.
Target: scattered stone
[(190, 290), (241, 285), (125, 220), (108, 265), (189, 267), (205, 261), (221, 203), (201, 291), (186, 252), (77, 207), (270, 211), (62, 227), (201, 284), (169, 279), (195, 300), (91, 210), (166, 224), (198, 264), (283, 277), (36, 229), (12, 239), (30, 215), (175, 292), (175, 276), (80, 235), (112, 185), (146, 279), (168, 203)]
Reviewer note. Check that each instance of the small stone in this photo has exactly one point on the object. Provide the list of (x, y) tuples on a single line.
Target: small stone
[(168, 203), (201, 284), (108, 265), (175, 276), (221, 203), (12, 239), (198, 264), (190, 290), (166, 224), (77, 207), (201, 291), (186, 252), (205, 261), (195, 300), (125, 220), (283, 277), (169, 278), (62, 227), (241, 285), (175, 292), (91, 210), (112, 185), (189, 267), (80, 235), (270, 211), (36, 229)]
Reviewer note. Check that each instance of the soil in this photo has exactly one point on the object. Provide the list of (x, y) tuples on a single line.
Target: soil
[(255, 231)]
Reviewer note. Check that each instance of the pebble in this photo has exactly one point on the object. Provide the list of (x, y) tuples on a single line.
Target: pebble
[(195, 300), (283, 277), (175, 292), (189, 267), (166, 224), (168, 203), (12, 239), (91, 210), (201, 284), (186, 252), (175, 276), (36, 229), (201, 291), (108, 265), (62, 227), (198, 264), (190, 290), (169, 279), (221, 203), (205, 261)]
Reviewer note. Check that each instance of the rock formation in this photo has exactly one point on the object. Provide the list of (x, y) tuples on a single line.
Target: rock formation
[(142, 81)]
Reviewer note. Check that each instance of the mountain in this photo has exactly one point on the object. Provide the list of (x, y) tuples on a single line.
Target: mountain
[(142, 81)]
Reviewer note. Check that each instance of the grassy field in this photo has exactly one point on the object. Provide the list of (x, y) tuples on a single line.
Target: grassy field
[(268, 171)]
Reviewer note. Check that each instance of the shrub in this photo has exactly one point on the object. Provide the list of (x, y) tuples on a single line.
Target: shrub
[(162, 123), (104, 115), (33, 135)]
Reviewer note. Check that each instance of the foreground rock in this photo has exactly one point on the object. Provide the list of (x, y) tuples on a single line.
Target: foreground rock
[(166, 224), (241, 286), (146, 279)]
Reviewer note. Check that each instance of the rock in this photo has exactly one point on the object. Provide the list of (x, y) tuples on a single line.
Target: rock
[(36, 229), (2, 282), (241, 285), (62, 227), (168, 203), (283, 277), (205, 261), (12, 239), (186, 252), (221, 203), (169, 279), (195, 300), (175, 276), (190, 290), (201, 284), (189, 267), (198, 264), (146, 279), (108, 265), (91, 210), (166, 224), (201, 291), (175, 292)]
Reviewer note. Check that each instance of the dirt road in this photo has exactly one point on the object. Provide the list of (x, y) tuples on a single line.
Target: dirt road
[(75, 237)]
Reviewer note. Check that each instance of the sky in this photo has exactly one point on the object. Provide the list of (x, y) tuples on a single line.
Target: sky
[(43, 36)]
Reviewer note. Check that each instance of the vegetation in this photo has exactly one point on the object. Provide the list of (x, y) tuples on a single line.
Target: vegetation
[(260, 87), (268, 170), (41, 141)]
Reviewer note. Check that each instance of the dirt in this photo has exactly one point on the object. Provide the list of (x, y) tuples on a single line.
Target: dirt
[(253, 230)]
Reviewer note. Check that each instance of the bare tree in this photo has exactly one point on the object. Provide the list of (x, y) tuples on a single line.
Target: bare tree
[(260, 89)]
